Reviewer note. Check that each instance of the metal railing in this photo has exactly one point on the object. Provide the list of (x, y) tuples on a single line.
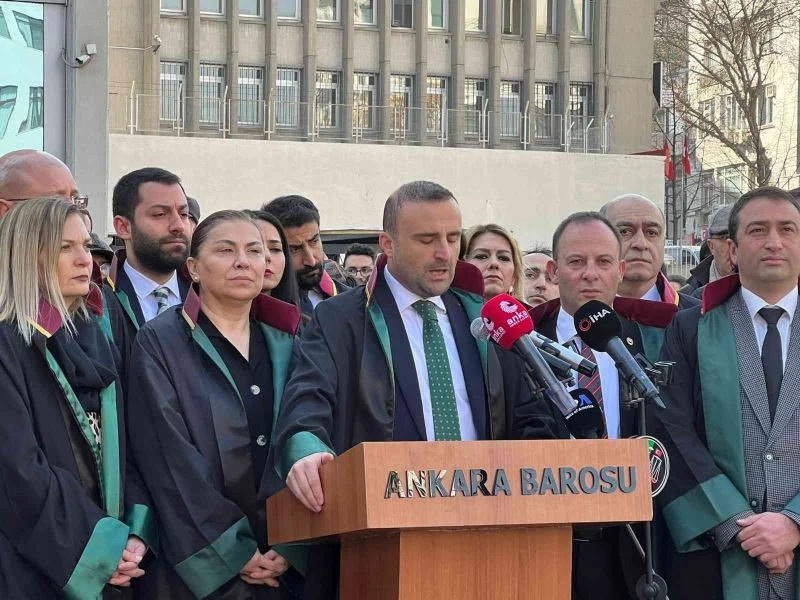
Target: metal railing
[(201, 116)]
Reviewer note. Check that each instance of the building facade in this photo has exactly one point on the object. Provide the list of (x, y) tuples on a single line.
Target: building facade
[(570, 75)]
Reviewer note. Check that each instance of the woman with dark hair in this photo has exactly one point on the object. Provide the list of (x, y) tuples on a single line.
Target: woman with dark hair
[(279, 278), (72, 522), (208, 378)]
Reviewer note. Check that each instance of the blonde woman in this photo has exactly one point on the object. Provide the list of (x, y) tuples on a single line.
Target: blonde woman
[(494, 251), (69, 523)]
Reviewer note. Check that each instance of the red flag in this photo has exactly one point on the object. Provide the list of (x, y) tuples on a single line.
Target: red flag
[(669, 166), (687, 164)]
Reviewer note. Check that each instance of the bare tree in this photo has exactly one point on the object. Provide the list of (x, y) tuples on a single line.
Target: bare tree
[(728, 48)]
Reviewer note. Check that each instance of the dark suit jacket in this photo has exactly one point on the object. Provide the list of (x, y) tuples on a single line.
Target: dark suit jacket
[(629, 560), (347, 386)]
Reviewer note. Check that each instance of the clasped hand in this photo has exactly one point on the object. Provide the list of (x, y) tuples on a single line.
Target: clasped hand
[(771, 538), (128, 567), (264, 569)]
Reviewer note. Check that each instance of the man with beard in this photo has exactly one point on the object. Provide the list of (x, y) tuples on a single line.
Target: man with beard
[(395, 361), (151, 215), (300, 220)]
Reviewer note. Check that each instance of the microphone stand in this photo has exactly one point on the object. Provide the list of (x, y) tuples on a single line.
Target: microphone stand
[(650, 586)]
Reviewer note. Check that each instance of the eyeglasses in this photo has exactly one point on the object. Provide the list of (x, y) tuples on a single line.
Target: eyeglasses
[(365, 271), (81, 201)]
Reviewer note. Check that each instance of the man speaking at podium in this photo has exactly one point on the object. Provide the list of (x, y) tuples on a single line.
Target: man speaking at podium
[(731, 423), (395, 360)]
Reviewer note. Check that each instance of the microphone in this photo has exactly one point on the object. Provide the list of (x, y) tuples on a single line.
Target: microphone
[(585, 421), (561, 368), (582, 365), (508, 324), (599, 328)]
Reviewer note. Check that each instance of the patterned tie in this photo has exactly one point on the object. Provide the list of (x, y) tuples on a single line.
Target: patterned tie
[(772, 356), (162, 298), (591, 383), (440, 381)]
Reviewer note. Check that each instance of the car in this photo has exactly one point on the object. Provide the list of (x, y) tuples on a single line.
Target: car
[(681, 258)]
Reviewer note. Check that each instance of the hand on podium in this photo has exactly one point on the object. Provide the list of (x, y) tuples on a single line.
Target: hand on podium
[(303, 480)]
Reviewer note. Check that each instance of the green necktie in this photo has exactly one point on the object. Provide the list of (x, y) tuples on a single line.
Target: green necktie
[(440, 380)]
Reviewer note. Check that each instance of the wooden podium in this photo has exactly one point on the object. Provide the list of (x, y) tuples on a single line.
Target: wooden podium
[(484, 520)]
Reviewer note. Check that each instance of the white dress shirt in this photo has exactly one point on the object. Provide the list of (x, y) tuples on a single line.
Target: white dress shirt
[(412, 321), (652, 294), (314, 297), (788, 303), (144, 288), (609, 376)]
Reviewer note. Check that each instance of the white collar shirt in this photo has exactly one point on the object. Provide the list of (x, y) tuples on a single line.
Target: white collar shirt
[(788, 303), (413, 323), (144, 288), (609, 377)]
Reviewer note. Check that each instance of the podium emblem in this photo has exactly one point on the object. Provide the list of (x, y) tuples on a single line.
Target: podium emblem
[(659, 464)]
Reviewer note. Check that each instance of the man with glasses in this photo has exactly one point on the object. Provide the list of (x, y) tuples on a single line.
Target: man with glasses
[(719, 264), (26, 174), (359, 261)]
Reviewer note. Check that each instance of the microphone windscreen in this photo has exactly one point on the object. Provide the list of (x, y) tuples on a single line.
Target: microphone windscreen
[(596, 323), (506, 320), (478, 330), (586, 419)]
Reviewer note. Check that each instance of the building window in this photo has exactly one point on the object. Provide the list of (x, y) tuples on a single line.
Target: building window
[(578, 17), (8, 99), (708, 110), (364, 12), (512, 17), (510, 106), (580, 100), (400, 99), (328, 11), (364, 94), (212, 82), (250, 8), (213, 7), (3, 25), (437, 14), (475, 15), (251, 92), (436, 103), (32, 30), (474, 101), (35, 118), (173, 76), (289, 9), (327, 99), (731, 117), (733, 179), (766, 105), (544, 107), (546, 17), (403, 13), (287, 103), (173, 5)]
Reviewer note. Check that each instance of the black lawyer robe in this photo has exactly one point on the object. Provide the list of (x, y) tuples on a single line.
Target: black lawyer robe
[(348, 387), (599, 570), (66, 507), (190, 433)]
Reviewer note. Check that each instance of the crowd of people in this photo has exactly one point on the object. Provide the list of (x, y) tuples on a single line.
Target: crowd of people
[(155, 395)]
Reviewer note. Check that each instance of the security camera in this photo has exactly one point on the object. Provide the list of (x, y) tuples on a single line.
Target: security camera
[(83, 59)]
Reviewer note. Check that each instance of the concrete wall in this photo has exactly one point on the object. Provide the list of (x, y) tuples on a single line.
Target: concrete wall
[(529, 192)]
